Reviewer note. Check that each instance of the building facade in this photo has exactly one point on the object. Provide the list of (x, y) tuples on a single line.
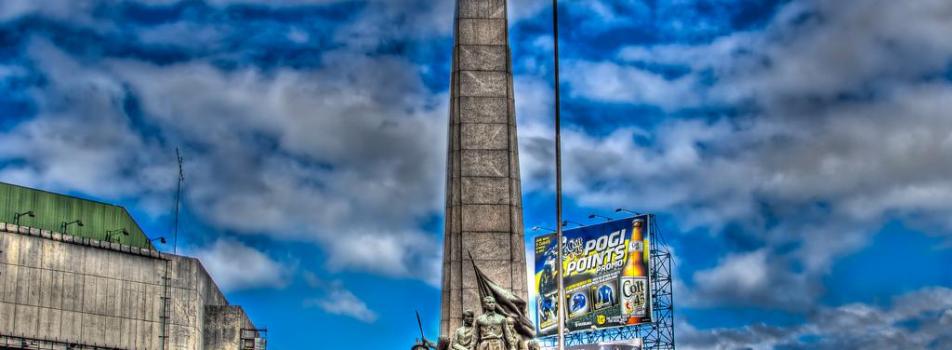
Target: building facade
[(70, 291)]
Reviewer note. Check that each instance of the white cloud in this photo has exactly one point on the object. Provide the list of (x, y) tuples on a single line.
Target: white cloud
[(524, 9), (376, 23), (812, 52), (913, 320), (280, 3), (351, 149), (752, 337), (612, 82), (77, 10), (348, 150), (808, 189), (344, 154), (740, 273), (236, 266), (832, 138), (84, 143), (390, 253), (60, 9), (340, 301)]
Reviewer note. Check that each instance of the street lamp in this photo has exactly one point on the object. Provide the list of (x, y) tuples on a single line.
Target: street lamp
[(567, 222), (619, 210), (593, 215), (160, 239), (16, 216), (116, 233), (540, 228), (66, 224)]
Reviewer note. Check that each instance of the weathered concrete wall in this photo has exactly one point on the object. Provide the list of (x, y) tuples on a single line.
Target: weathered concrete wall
[(56, 288), (223, 326), (192, 290)]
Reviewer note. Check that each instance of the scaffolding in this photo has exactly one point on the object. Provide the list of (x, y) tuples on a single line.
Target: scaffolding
[(659, 333), (254, 339)]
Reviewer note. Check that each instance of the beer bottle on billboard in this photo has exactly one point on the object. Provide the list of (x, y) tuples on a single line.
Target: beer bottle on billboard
[(634, 277), (636, 267)]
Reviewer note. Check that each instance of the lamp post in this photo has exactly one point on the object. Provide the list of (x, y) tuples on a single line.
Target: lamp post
[(160, 239), (593, 215), (16, 216), (540, 228), (116, 233), (66, 225), (619, 210), (558, 177), (567, 222)]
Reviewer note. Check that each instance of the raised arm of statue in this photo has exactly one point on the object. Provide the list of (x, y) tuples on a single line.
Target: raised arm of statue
[(508, 336)]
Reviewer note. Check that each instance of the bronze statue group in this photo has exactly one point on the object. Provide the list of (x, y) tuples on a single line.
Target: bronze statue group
[(492, 330)]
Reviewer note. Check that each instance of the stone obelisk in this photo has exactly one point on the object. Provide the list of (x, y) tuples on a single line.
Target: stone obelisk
[(483, 193)]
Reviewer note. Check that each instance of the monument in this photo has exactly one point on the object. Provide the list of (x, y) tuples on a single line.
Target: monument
[(483, 193)]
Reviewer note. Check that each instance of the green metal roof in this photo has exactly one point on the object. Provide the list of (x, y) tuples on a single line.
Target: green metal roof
[(52, 210)]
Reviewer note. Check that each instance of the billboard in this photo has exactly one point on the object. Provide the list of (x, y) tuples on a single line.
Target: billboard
[(605, 270)]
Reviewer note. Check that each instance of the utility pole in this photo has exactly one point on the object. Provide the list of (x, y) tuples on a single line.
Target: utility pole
[(178, 200), (166, 317)]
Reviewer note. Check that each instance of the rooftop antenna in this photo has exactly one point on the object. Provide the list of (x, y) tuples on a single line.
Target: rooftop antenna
[(178, 200)]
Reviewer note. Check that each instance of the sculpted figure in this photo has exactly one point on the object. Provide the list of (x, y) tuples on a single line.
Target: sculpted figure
[(515, 339), (492, 329), (464, 338)]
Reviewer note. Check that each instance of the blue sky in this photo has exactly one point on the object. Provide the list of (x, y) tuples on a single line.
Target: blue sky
[(798, 152)]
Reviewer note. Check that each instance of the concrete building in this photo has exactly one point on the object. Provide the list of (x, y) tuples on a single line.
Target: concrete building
[(483, 192), (102, 285)]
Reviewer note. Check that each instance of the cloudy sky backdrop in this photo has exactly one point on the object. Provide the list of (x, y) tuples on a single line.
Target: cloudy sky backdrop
[(798, 152)]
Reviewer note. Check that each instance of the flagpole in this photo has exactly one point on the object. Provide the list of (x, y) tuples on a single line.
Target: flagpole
[(558, 179)]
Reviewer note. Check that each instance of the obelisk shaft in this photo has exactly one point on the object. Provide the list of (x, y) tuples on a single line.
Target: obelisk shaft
[(483, 192)]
